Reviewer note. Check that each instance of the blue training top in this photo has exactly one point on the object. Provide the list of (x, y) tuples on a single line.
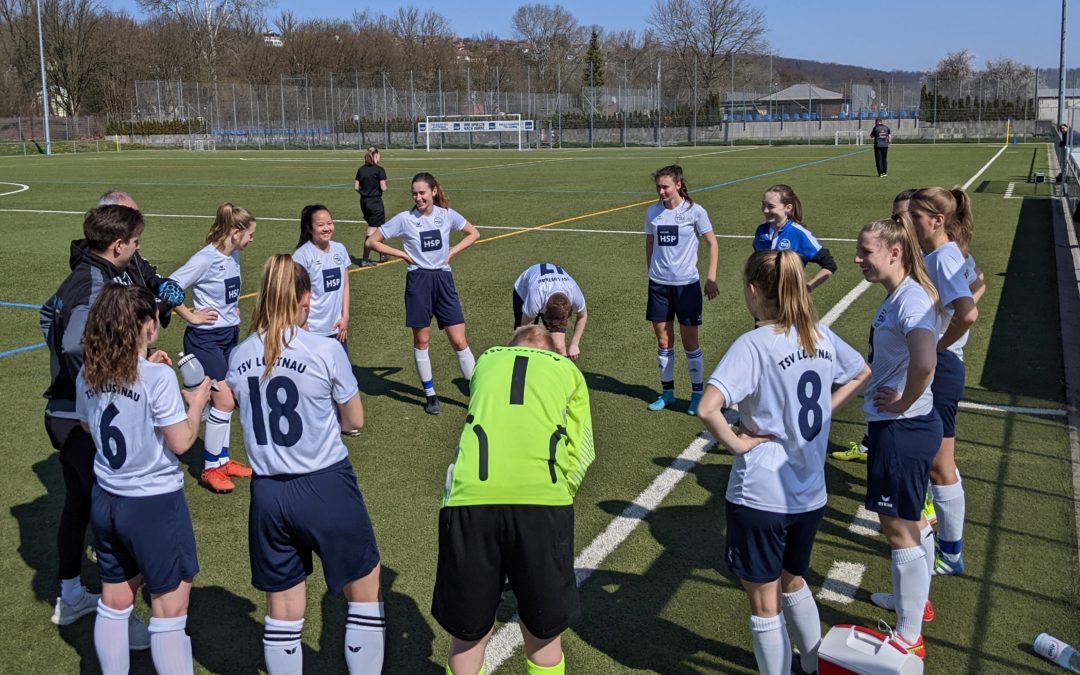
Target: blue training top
[(791, 237)]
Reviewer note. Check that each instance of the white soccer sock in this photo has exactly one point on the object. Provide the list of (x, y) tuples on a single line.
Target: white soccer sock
[(911, 588), (281, 647), (423, 369), (170, 647), (928, 547), (801, 614), (771, 645), (111, 639), (694, 363), (665, 360), (950, 504), (215, 437), (365, 637), (71, 590), (467, 362)]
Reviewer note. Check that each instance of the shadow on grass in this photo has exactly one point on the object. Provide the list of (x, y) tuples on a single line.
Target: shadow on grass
[(1024, 354), (376, 381), (611, 385)]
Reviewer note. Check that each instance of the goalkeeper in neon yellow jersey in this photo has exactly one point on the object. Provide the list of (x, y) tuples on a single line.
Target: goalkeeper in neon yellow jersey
[(507, 510)]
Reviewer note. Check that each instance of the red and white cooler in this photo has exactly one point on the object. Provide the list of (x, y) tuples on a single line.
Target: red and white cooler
[(857, 650)]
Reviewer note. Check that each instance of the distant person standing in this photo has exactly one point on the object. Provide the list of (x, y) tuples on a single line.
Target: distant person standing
[(370, 183), (882, 136)]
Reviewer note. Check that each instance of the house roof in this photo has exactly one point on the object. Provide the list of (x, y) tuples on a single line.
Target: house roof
[(802, 92)]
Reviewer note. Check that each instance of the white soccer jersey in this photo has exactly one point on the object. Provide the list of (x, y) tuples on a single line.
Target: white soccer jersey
[(906, 309), (543, 280), (971, 275), (675, 241), (784, 393), (290, 418), (945, 264), (214, 280), (425, 238), (327, 271), (126, 424)]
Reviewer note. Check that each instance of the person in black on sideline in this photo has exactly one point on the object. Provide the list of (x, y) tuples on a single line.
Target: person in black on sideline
[(371, 184)]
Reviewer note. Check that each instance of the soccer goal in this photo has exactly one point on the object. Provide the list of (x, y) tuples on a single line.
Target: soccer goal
[(849, 137), (200, 145), (481, 130)]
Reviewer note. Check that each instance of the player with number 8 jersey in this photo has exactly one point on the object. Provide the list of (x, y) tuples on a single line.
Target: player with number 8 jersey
[(507, 510)]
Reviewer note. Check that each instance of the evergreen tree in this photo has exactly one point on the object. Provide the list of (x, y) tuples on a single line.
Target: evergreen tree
[(594, 62)]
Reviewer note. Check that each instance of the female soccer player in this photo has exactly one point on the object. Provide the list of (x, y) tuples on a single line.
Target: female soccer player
[(672, 228), (904, 429), (327, 264), (788, 376), (370, 184), (783, 231), (429, 286), (547, 292), (286, 380), (134, 409), (938, 213), (213, 275)]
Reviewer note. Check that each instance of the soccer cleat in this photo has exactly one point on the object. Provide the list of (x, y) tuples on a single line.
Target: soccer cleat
[(354, 433), (432, 405), (366, 263), (65, 614), (384, 258), (918, 648), (234, 469), (948, 568), (138, 634), (928, 509), (888, 601), (216, 480), (695, 399), (855, 453), (667, 397)]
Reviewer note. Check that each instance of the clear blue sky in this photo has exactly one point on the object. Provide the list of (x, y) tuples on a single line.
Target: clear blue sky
[(906, 35)]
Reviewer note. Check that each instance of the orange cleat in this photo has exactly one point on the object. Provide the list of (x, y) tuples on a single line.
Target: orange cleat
[(216, 480), (235, 469), (918, 648)]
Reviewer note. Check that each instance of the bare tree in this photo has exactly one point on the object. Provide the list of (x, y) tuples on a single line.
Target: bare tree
[(206, 21), (551, 34), (1010, 79), (424, 38), (703, 34), (956, 67)]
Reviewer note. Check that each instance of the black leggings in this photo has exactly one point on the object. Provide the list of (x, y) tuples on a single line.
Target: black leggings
[(77, 450)]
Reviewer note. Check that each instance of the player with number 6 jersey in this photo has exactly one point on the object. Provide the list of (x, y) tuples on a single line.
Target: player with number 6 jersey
[(429, 287), (507, 510), (133, 408), (297, 393), (788, 376), (213, 275), (672, 228)]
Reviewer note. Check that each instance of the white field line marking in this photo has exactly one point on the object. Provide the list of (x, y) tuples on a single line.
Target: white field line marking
[(1020, 410), (1009, 190), (637, 232), (22, 188), (508, 638), (842, 582), (866, 523)]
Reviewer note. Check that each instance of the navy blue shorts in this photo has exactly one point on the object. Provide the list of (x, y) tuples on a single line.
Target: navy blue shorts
[(431, 293), (668, 302), (760, 544), (149, 535), (898, 464), (212, 346), (293, 516), (948, 389), (480, 546)]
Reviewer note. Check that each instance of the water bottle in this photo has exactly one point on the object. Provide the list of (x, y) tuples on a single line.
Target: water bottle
[(1055, 650), (191, 371)]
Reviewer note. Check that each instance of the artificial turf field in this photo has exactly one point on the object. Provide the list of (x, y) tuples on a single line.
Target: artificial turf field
[(662, 601)]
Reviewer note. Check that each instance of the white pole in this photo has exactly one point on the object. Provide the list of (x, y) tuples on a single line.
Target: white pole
[(44, 84)]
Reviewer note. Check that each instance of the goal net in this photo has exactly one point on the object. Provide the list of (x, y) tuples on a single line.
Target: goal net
[(200, 145), (493, 131), (849, 137)]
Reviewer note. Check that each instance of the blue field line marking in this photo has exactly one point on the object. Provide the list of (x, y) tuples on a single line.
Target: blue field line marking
[(20, 305), (20, 350), (736, 181)]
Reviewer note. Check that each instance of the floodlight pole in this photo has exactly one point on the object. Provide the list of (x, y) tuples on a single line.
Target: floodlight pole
[(44, 84), (1061, 66)]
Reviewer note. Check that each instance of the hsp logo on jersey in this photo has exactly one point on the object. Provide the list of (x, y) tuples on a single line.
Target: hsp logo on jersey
[(784, 245), (879, 319), (331, 279), (430, 240), (667, 235), (232, 290)]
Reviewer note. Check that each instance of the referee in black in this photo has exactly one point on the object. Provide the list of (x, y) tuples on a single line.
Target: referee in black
[(370, 183)]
